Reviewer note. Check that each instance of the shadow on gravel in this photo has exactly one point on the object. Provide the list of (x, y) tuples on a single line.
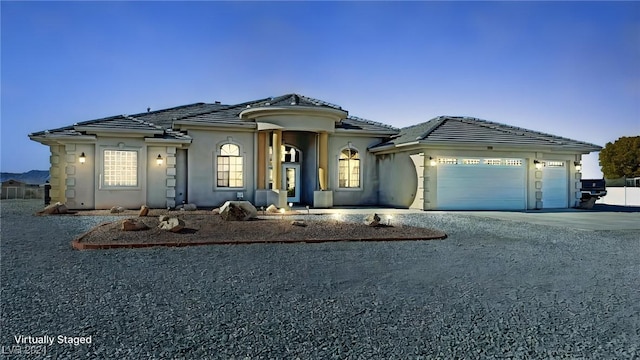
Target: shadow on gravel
[(614, 208)]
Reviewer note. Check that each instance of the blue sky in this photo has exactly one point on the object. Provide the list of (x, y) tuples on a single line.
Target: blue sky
[(567, 68)]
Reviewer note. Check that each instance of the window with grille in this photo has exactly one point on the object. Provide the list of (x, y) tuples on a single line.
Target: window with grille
[(448, 161), (229, 167), (120, 168), (471, 161), (349, 168), (492, 162), (513, 162), (554, 164)]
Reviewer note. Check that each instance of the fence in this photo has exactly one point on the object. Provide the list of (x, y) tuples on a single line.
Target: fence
[(625, 196), (22, 192)]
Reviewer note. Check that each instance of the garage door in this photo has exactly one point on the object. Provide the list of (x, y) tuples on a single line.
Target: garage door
[(555, 185), (481, 184)]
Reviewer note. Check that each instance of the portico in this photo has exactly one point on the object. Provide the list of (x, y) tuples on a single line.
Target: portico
[(292, 147)]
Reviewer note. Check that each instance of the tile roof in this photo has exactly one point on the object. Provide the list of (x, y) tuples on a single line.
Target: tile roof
[(165, 117), (471, 130), (216, 113), (357, 123)]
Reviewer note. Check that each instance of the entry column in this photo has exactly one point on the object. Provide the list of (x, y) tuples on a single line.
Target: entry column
[(276, 159), (323, 160), (324, 197)]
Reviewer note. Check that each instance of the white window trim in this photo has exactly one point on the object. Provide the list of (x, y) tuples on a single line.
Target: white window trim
[(139, 161), (217, 153), (360, 172)]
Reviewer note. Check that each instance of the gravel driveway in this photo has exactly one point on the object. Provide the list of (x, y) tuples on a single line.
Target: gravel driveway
[(493, 289)]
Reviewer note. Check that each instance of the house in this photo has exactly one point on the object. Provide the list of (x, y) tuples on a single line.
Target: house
[(296, 149), (15, 189)]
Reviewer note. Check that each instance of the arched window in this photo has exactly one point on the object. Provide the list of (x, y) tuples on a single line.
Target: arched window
[(230, 166), (349, 168)]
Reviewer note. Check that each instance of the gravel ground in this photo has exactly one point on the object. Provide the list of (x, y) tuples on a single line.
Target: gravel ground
[(493, 289)]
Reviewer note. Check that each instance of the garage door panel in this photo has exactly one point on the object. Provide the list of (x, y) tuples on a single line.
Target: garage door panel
[(555, 187), (481, 187)]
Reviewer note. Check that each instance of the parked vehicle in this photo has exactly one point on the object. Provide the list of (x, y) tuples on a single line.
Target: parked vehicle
[(591, 190)]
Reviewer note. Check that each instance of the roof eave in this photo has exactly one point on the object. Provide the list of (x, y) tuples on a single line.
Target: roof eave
[(252, 113), (52, 139), (167, 141), (494, 146), (124, 131), (367, 132), (180, 124)]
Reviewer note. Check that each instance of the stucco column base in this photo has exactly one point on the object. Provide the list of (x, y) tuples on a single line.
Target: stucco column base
[(276, 197), (261, 197), (322, 199), (271, 196)]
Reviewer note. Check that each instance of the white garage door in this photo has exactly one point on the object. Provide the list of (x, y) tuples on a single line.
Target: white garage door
[(481, 184), (555, 185)]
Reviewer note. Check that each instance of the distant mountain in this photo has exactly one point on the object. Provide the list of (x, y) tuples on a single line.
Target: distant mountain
[(37, 177)]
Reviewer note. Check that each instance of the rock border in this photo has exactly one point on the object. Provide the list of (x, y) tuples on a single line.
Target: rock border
[(78, 245)]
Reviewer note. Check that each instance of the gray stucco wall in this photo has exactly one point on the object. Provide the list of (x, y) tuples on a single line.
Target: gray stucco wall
[(157, 183), (367, 194), (398, 179), (201, 178), (132, 197)]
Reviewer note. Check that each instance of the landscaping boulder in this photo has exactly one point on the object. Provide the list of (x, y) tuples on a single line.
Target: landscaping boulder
[(133, 225), (272, 209), (172, 224), (188, 207), (372, 220), (238, 211), (117, 209), (144, 211), (587, 203), (162, 218), (54, 209), (299, 223)]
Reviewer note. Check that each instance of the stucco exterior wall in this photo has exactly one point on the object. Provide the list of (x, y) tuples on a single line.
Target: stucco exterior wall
[(182, 194), (202, 157), (390, 165), (367, 194), (80, 178), (158, 182), (131, 197), (398, 179), (56, 174)]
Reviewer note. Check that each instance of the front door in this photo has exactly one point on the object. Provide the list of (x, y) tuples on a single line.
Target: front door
[(291, 182)]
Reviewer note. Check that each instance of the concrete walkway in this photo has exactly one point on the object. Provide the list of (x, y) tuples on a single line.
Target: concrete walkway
[(576, 219), (567, 218)]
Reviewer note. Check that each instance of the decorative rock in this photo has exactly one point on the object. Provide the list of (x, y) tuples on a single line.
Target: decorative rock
[(54, 209), (298, 223), (372, 220), (215, 211), (189, 207), (587, 203), (238, 211), (133, 225), (117, 209), (272, 209), (144, 211), (172, 224), (162, 218)]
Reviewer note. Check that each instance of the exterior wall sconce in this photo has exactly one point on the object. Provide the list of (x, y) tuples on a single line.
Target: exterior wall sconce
[(82, 158), (578, 165), (537, 164), (432, 161), (159, 160)]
